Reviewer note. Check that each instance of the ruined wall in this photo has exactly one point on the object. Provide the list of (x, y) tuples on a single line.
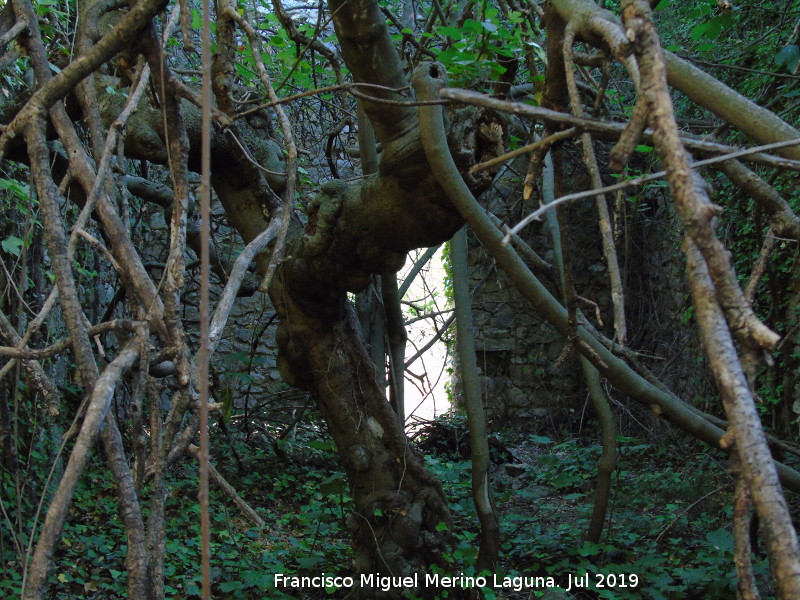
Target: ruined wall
[(529, 374), (245, 360)]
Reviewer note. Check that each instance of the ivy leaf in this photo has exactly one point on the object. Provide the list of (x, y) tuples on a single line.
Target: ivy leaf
[(451, 32), (229, 586), (308, 562), (335, 484), (540, 439), (788, 57), (256, 579), (721, 539), (589, 549), (20, 190), (12, 245)]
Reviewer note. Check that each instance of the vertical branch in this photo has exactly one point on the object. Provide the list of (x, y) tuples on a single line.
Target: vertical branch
[(608, 427), (177, 145), (720, 305), (372, 302), (742, 542), (155, 521), (228, 8), (473, 402), (608, 456), (177, 155), (369, 304), (203, 357), (367, 148), (397, 335), (590, 160), (389, 307), (57, 249)]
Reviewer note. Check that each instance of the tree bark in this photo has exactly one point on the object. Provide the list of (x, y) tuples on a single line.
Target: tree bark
[(473, 404)]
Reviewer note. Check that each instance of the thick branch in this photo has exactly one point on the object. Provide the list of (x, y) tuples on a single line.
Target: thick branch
[(371, 56), (615, 369), (62, 83)]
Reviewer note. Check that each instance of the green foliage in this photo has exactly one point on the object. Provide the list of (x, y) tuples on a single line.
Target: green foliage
[(474, 52), (666, 534), (788, 57), (751, 48), (667, 525), (701, 25), (19, 212), (304, 510)]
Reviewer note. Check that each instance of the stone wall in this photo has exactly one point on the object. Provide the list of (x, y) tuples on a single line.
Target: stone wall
[(245, 359), (529, 374)]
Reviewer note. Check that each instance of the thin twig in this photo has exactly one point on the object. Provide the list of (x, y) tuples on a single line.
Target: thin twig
[(602, 128), (536, 215), (316, 92), (535, 146)]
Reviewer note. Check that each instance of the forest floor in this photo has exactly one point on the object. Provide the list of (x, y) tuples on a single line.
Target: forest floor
[(666, 536)]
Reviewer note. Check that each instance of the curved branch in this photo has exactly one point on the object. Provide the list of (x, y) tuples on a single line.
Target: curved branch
[(120, 37), (623, 377), (473, 403), (370, 54), (763, 125)]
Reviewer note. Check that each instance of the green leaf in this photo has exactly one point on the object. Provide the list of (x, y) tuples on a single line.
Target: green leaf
[(721, 539), (788, 57), (442, 526), (229, 586), (256, 579), (564, 480), (13, 245), (471, 26), (20, 190), (333, 485), (589, 549), (309, 561), (699, 31), (451, 32), (489, 26)]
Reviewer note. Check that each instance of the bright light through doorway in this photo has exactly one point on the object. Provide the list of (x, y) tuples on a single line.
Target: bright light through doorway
[(426, 378)]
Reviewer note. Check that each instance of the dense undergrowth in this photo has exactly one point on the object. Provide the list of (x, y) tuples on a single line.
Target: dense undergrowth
[(667, 528)]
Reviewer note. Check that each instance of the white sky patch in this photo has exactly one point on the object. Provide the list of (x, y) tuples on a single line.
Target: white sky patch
[(425, 392)]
